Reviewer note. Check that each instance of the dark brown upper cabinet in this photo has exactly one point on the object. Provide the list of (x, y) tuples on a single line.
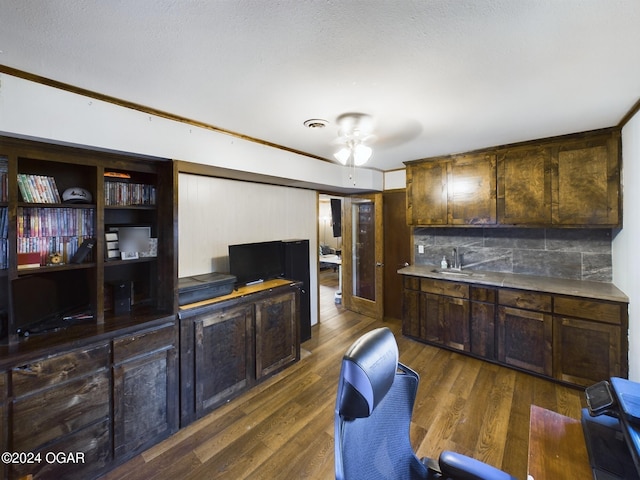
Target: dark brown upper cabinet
[(427, 193), (569, 181), (460, 190), (585, 182), (573, 181), (472, 189), (524, 186)]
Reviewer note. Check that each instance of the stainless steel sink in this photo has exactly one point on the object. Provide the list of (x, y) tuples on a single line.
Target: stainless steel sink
[(457, 273)]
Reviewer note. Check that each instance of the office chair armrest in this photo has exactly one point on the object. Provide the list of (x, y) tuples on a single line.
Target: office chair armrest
[(460, 467)]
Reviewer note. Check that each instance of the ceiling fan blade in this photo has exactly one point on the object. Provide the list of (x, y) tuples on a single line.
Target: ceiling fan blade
[(397, 134), (371, 138)]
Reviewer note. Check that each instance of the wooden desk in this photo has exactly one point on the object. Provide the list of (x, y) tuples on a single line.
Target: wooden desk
[(557, 449)]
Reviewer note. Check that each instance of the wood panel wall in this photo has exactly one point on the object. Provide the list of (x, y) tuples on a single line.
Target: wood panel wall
[(216, 212)]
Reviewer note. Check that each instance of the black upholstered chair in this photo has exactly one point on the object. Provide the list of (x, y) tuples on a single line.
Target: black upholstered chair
[(373, 412)]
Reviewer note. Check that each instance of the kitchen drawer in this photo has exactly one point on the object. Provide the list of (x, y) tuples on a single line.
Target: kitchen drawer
[(411, 283), (443, 287), (92, 444), (141, 343), (539, 302), (54, 412), (589, 309), (482, 294), (54, 370)]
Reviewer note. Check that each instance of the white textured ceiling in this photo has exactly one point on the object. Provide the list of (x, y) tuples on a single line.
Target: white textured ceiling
[(438, 76)]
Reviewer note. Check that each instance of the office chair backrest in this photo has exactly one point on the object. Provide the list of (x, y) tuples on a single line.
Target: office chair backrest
[(373, 412), (368, 370)]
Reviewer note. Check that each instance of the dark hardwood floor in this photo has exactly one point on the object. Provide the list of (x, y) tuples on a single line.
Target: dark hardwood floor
[(283, 428)]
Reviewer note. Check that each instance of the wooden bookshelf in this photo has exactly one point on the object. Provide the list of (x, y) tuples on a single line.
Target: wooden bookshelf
[(124, 190)]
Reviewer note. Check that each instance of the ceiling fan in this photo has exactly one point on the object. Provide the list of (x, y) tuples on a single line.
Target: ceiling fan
[(354, 136)]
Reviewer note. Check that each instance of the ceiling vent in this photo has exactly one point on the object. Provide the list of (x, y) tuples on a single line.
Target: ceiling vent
[(315, 123)]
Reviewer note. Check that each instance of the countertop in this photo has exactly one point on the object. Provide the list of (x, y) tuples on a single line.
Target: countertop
[(240, 292), (576, 288)]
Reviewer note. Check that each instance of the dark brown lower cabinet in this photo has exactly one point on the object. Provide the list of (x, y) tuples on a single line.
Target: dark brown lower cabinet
[(483, 322), (444, 313), (525, 339), (145, 389), (276, 333), (96, 405), (223, 355), (574, 340), (411, 310), (4, 444), (438, 312), (106, 398), (61, 403), (431, 318), (230, 345), (587, 350), (456, 323), (591, 338)]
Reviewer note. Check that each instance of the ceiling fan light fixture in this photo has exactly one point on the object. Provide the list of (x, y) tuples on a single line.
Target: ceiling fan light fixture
[(361, 154), (343, 155), (354, 132)]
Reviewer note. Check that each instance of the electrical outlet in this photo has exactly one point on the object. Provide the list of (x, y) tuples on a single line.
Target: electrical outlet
[(420, 248)]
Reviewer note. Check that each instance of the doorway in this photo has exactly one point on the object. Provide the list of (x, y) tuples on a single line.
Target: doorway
[(374, 275), (330, 253)]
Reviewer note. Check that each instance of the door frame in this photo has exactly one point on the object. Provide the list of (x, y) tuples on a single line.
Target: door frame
[(370, 308)]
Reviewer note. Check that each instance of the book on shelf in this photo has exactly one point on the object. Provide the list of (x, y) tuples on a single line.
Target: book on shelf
[(46, 231), (4, 222), (4, 255), (4, 185), (42, 247), (119, 175), (38, 188), (51, 222), (28, 260), (122, 193), (4, 231)]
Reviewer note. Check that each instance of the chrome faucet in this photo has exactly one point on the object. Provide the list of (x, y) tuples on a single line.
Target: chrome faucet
[(455, 261)]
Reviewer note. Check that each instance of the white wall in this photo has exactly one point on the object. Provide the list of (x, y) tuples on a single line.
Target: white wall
[(395, 179), (31, 109), (214, 213), (626, 257)]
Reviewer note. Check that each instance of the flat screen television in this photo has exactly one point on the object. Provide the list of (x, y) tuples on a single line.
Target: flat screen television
[(256, 262), (41, 303)]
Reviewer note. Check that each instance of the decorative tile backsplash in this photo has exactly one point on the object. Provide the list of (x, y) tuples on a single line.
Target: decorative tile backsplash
[(579, 254)]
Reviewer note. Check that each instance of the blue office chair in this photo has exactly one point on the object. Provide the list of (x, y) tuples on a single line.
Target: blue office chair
[(372, 418)]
